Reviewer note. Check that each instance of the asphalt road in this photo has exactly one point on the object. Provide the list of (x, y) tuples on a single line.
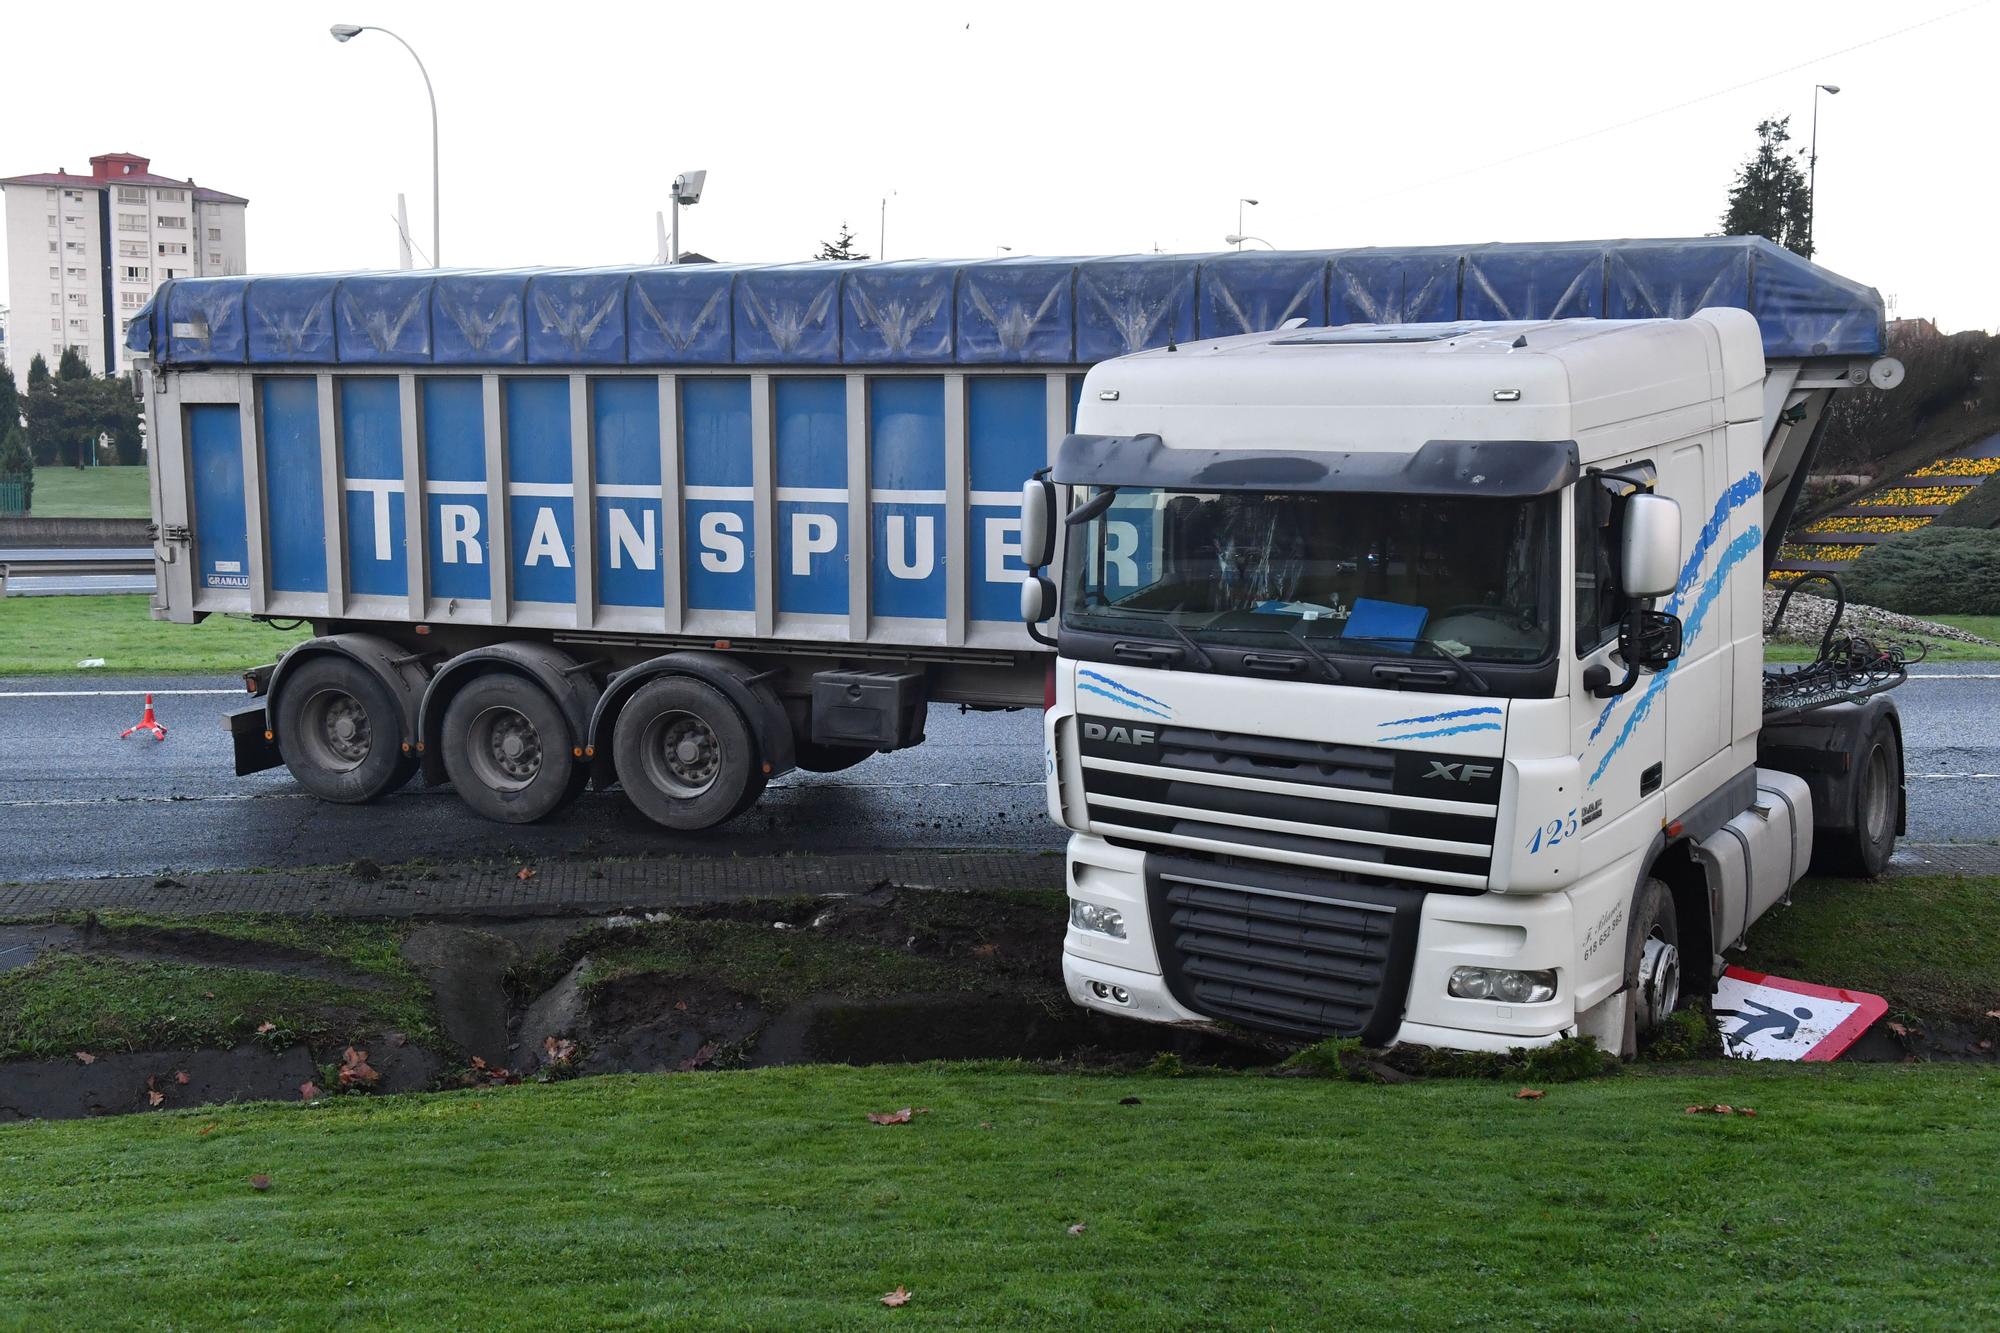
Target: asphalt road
[(75, 801)]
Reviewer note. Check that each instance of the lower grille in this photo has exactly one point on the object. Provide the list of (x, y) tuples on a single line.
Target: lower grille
[(1311, 959)]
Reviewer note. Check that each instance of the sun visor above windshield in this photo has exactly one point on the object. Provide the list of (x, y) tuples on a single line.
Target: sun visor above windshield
[(1499, 468)]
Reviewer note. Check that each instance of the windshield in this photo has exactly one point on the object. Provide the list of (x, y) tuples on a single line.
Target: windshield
[(1469, 580)]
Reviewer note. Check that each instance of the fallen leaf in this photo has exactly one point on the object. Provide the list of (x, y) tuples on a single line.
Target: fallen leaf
[(479, 1063), (181, 1076), (155, 1098), (1076, 1228), (1993, 1013), (398, 1039), (560, 1051), (355, 1069), (700, 1057), (260, 1182), (210, 1128), (1721, 1108), (1128, 1101), (308, 1091), (1746, 1110), (986, 1124), (85, 1058), (263, 1028), (208, 995), (525, 873), (986, 950), (1897, 1029), (1528, 1095), (901, 1117), (681, 1005), (900, 1296)]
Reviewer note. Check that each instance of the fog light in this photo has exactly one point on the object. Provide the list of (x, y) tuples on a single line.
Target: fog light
[(1121, 995), (1099, 920), (1100, 990), (1509, 987)]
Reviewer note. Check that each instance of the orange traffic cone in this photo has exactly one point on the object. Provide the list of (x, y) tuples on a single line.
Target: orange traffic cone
[(146, 723)]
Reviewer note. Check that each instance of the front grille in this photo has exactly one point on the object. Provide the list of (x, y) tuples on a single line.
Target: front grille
[(1369, 814), (1297, 955)]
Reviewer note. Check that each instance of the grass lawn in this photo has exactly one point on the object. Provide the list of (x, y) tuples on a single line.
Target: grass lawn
[(48, 636), (98, 492), (67, 1002), (765, 1199), (1925, 944)]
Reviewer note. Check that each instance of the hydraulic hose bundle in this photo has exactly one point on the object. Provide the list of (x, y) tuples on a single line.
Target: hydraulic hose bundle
[(1847, 669)]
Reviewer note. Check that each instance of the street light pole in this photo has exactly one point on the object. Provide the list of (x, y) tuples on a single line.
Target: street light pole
[(1812, 164), (1237, 238), (343, 32), (1239, 217)]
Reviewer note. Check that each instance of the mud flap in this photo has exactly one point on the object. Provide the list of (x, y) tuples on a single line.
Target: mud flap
[(250, 732)]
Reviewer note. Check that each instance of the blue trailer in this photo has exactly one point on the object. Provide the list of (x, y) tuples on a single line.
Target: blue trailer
[(684, 528)]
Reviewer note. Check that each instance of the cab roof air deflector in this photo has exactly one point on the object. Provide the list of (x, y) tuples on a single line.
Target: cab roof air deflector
[(1497, 469)]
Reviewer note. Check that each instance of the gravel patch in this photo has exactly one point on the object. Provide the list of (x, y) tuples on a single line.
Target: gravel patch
[(1807, 616)]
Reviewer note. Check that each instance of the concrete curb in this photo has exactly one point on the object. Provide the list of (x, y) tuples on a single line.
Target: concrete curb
[(559, 888)]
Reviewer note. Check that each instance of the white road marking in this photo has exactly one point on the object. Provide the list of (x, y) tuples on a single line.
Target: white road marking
[(112, 694), (1979, 776), (432, 792), (1959, 675)]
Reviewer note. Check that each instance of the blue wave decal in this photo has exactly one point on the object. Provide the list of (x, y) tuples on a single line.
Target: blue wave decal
[(1121, 699), (1751, 541), (1742, 492), (1124, 689), (1445, 731), (1487, 710)]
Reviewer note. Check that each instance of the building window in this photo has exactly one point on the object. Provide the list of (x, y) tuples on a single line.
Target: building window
[(55, 325), (74, 247), (131, 300), (79, 323), (54, 273), (79, 298), (173, 247), (172, 196), (79, 275), (215, 233), (136, 273), (131, 194), (214, 260), (52, 219), (74, 196), (132, 249), (51, 194), (171, 220), (131, 222), (55, 298)]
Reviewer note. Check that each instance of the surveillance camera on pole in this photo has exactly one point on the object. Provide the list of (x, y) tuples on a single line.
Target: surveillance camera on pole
[(687, 190)]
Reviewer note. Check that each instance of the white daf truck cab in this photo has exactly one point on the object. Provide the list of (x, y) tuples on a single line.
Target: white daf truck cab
[(1410, 679)]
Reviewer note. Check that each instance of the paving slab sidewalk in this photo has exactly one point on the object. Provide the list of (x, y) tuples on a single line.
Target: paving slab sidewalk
[(563, 888), (558, 888)]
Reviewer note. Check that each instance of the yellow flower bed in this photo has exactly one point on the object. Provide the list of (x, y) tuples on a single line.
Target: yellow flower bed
[(1959, 467), (1915, 496), (1883, 523), (1807, 551)]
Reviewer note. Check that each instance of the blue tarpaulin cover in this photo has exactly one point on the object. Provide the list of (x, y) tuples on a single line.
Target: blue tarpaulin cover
[(987, 312)]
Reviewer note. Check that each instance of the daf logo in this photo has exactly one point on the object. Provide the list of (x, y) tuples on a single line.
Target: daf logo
[(1459, 772), (1097, 731)]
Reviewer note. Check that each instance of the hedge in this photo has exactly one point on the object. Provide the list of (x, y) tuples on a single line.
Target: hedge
[(1933, 571)]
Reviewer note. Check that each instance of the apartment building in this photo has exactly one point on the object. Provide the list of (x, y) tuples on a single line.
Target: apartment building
[(85, 253)]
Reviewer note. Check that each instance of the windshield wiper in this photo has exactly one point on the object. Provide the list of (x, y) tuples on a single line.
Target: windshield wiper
[(1472, 678), (1201, 654)]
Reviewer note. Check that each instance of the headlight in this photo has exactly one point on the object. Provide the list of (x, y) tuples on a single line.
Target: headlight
[(1101, 920), (1508, 987)]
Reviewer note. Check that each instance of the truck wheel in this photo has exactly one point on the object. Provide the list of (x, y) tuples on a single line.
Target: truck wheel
[(1862, 849), (508, 749), (816, 758), (1653, 957), (685, 755), (341, 732)]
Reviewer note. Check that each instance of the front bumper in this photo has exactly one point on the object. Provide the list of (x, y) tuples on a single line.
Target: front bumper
[(1531, 931)]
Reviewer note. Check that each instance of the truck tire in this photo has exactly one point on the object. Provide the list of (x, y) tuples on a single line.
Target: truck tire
[(1862, 849), (685, 755), (816, 758), (509, 749), (341, 732), (1652, 957)]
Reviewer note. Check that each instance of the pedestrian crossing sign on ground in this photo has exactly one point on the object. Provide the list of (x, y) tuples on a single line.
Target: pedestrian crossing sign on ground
[(1763, 1017)]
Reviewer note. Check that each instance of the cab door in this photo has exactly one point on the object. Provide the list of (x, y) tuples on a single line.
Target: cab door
[(1620, 740)]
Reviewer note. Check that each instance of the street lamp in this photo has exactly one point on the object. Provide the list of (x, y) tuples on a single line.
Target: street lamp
[(1237, 238), (1239, 221), (687, 190), (1812, 163), (343, 32)]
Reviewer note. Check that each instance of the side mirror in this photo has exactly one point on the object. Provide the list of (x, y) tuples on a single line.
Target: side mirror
[(1647, 641), (1038, 509), (1650, 564), (1038, 603), (1038, 598)]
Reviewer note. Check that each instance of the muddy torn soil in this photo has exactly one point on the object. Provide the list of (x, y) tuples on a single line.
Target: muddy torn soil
[(893, 974)]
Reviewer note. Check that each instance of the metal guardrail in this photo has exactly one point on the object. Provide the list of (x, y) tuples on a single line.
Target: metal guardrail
[(58, 563)]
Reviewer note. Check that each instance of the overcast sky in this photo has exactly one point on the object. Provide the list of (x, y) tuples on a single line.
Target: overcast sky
[(1072, 128)]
